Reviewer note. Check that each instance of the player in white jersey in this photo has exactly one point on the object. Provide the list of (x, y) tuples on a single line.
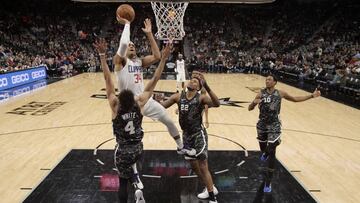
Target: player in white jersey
[(129, 74), (180, 70)]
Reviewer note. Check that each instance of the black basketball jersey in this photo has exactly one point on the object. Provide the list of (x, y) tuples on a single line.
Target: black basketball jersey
[(127, 126), (270, 106), (190, 113)]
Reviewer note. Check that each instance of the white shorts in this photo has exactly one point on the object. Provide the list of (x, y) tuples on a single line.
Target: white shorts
[(180, 77), (153, 109)]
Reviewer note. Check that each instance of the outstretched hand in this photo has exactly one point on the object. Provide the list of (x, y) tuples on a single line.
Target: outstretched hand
[(147, 26), (257, 101), (165, 52), (159, 97), (316, 93), (200, 76), (100, 45)]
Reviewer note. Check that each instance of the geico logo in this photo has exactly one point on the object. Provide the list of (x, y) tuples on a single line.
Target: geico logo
[(5, 96), (36, 86), (19, 78), (21, 91), (38, 74), (3, 82)]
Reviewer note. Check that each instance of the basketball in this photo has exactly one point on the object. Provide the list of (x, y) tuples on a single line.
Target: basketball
[(126, 11)]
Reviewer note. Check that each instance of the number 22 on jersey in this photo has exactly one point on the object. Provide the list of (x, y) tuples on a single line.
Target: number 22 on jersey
[(184, 107)]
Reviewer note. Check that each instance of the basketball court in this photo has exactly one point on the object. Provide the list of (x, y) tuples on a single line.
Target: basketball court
[(57, 144)]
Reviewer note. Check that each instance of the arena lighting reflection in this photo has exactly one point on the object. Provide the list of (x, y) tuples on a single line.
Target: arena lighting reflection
[(169, 168)]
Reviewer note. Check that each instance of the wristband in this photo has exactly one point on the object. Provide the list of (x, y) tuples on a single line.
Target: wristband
[(101, 54)]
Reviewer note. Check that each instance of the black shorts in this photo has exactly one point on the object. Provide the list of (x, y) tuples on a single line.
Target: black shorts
[(269, 132), (125, 156), (199, 142)]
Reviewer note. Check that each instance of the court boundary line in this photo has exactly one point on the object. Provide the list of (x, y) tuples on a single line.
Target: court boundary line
[(45, 176), (232, 124), (302, 185), (246, 153)]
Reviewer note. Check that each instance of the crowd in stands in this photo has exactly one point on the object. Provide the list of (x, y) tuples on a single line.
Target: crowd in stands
[(308, 41), (48, 33)]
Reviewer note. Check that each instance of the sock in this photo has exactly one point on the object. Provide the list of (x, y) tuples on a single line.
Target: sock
[(124, 41), (134, 168), (263, 146), (179, 142)]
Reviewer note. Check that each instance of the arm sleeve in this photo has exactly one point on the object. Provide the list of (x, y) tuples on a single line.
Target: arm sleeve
[(124, 41)]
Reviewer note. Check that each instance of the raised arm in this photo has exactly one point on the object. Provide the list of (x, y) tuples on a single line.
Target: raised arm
[(287, 96), (157, 75), (206, 116), (125, 36), (206, 110), (172, 100), (120, 58), (256, 101), (101, 47), (213, 100), (155, 51), (150, 86)]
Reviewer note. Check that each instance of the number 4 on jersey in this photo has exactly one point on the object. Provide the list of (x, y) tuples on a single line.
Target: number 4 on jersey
[(129, 128)]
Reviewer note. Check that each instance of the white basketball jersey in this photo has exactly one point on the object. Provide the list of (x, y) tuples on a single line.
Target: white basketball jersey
[(131, 76), (180, 66)]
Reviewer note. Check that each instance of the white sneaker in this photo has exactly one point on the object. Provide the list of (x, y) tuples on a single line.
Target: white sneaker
[(213, 201), (137, 182), (190, 152), (139, 198), (205, 194)]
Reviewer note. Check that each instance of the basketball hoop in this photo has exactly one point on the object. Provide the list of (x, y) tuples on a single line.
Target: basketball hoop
[(169, 20)]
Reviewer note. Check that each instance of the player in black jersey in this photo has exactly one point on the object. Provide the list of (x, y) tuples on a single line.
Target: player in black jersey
[(269, 125), (191, 105), (127, 120), (206, 109)]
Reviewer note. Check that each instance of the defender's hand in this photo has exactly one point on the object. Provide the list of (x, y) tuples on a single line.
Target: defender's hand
[(257, 101), (165, 52), (147, 26), (101, 46), (201, 77), (159, 97), (316, 93)]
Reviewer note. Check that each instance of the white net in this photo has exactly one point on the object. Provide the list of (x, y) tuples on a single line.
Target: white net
[(169, 19)]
